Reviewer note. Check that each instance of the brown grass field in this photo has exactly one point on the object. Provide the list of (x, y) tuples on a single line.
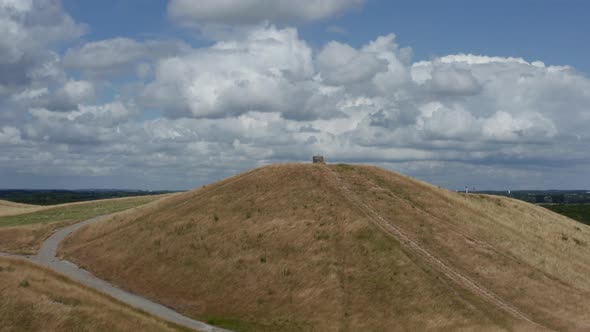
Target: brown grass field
[(10, 208), (24, 227), (281, 248), (35, 299)]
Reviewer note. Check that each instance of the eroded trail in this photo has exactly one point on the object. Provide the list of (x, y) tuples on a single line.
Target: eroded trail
[(444, 268), (47, 257)]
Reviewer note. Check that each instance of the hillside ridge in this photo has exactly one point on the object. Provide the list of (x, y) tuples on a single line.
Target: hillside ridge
[(477, 260)]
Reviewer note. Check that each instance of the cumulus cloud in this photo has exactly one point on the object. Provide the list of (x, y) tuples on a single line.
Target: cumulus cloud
[(342, 64), (448, 80), (28, 26), (28, 31), (255, 11), (62, 97), (89, 124), (10, 136), (118, 54), (263, 72), (260, 94)]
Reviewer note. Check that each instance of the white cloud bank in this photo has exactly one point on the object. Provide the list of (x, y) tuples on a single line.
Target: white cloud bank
[(261, 94), (255, 11)]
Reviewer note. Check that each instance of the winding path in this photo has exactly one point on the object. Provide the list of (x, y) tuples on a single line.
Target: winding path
[(47, 257)]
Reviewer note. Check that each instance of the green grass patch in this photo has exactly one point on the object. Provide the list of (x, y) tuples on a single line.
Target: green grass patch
[(255, 326), (232, 324), (578, 212), (344, 167), (74, 212)]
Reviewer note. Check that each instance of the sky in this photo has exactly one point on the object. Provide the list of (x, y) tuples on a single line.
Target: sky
[(171, 95)]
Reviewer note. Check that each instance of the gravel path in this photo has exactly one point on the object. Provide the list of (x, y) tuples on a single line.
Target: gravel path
[(47, 257)]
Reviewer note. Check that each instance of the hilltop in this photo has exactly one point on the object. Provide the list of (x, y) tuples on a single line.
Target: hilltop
[(340, 247)]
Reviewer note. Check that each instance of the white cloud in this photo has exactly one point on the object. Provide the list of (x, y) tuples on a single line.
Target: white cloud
[(260, 94), (448, 80), (78, 91), (107, 115), (30, 33), (63, 97), (27, 27), (10, 136), (118, 54), (342, 64), (262, 72), (256, 11)]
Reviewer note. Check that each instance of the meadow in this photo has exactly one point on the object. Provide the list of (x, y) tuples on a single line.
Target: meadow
[(22, 232), (578, 212), (33, 298)]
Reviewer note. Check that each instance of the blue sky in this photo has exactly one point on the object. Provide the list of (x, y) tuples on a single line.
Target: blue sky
[(175, 94)]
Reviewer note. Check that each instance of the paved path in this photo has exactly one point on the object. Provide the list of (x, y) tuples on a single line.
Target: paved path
[(47, 257)]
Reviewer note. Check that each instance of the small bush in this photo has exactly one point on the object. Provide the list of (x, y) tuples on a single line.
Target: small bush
[(263, 259), (25, 283), (564, 237), (65, 301), (322, 235), (579, 242), (248, 215), (215, 217)]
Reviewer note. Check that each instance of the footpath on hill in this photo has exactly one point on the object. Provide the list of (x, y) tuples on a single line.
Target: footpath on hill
[(46, 256)]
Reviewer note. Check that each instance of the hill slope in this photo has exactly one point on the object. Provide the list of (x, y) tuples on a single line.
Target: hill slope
[(33, 298), (23, 230), (8, 208), (339, 247)]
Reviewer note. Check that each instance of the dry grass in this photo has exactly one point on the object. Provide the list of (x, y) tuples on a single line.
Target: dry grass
[(23, 233), (533, 258), (10, 208), (278, 248), (35, 299)]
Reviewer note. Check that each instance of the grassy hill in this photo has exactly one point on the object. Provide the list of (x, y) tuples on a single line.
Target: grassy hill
[(346, 248), (33, 298), (10, 208), (24, 227)]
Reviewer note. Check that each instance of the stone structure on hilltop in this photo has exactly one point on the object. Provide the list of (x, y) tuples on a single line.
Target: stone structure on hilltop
[(318, 160)]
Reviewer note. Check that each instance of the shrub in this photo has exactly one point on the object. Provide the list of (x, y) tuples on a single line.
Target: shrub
[(579, 242), (24, 283)]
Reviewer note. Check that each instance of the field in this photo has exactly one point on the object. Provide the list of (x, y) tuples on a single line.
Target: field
[(10, 208), (578, 212), (55, 197), (35, 299), (282, 248), (23, 233)]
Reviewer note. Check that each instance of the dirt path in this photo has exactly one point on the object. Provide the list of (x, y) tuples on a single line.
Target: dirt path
[(428, 257), (47, 257)]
